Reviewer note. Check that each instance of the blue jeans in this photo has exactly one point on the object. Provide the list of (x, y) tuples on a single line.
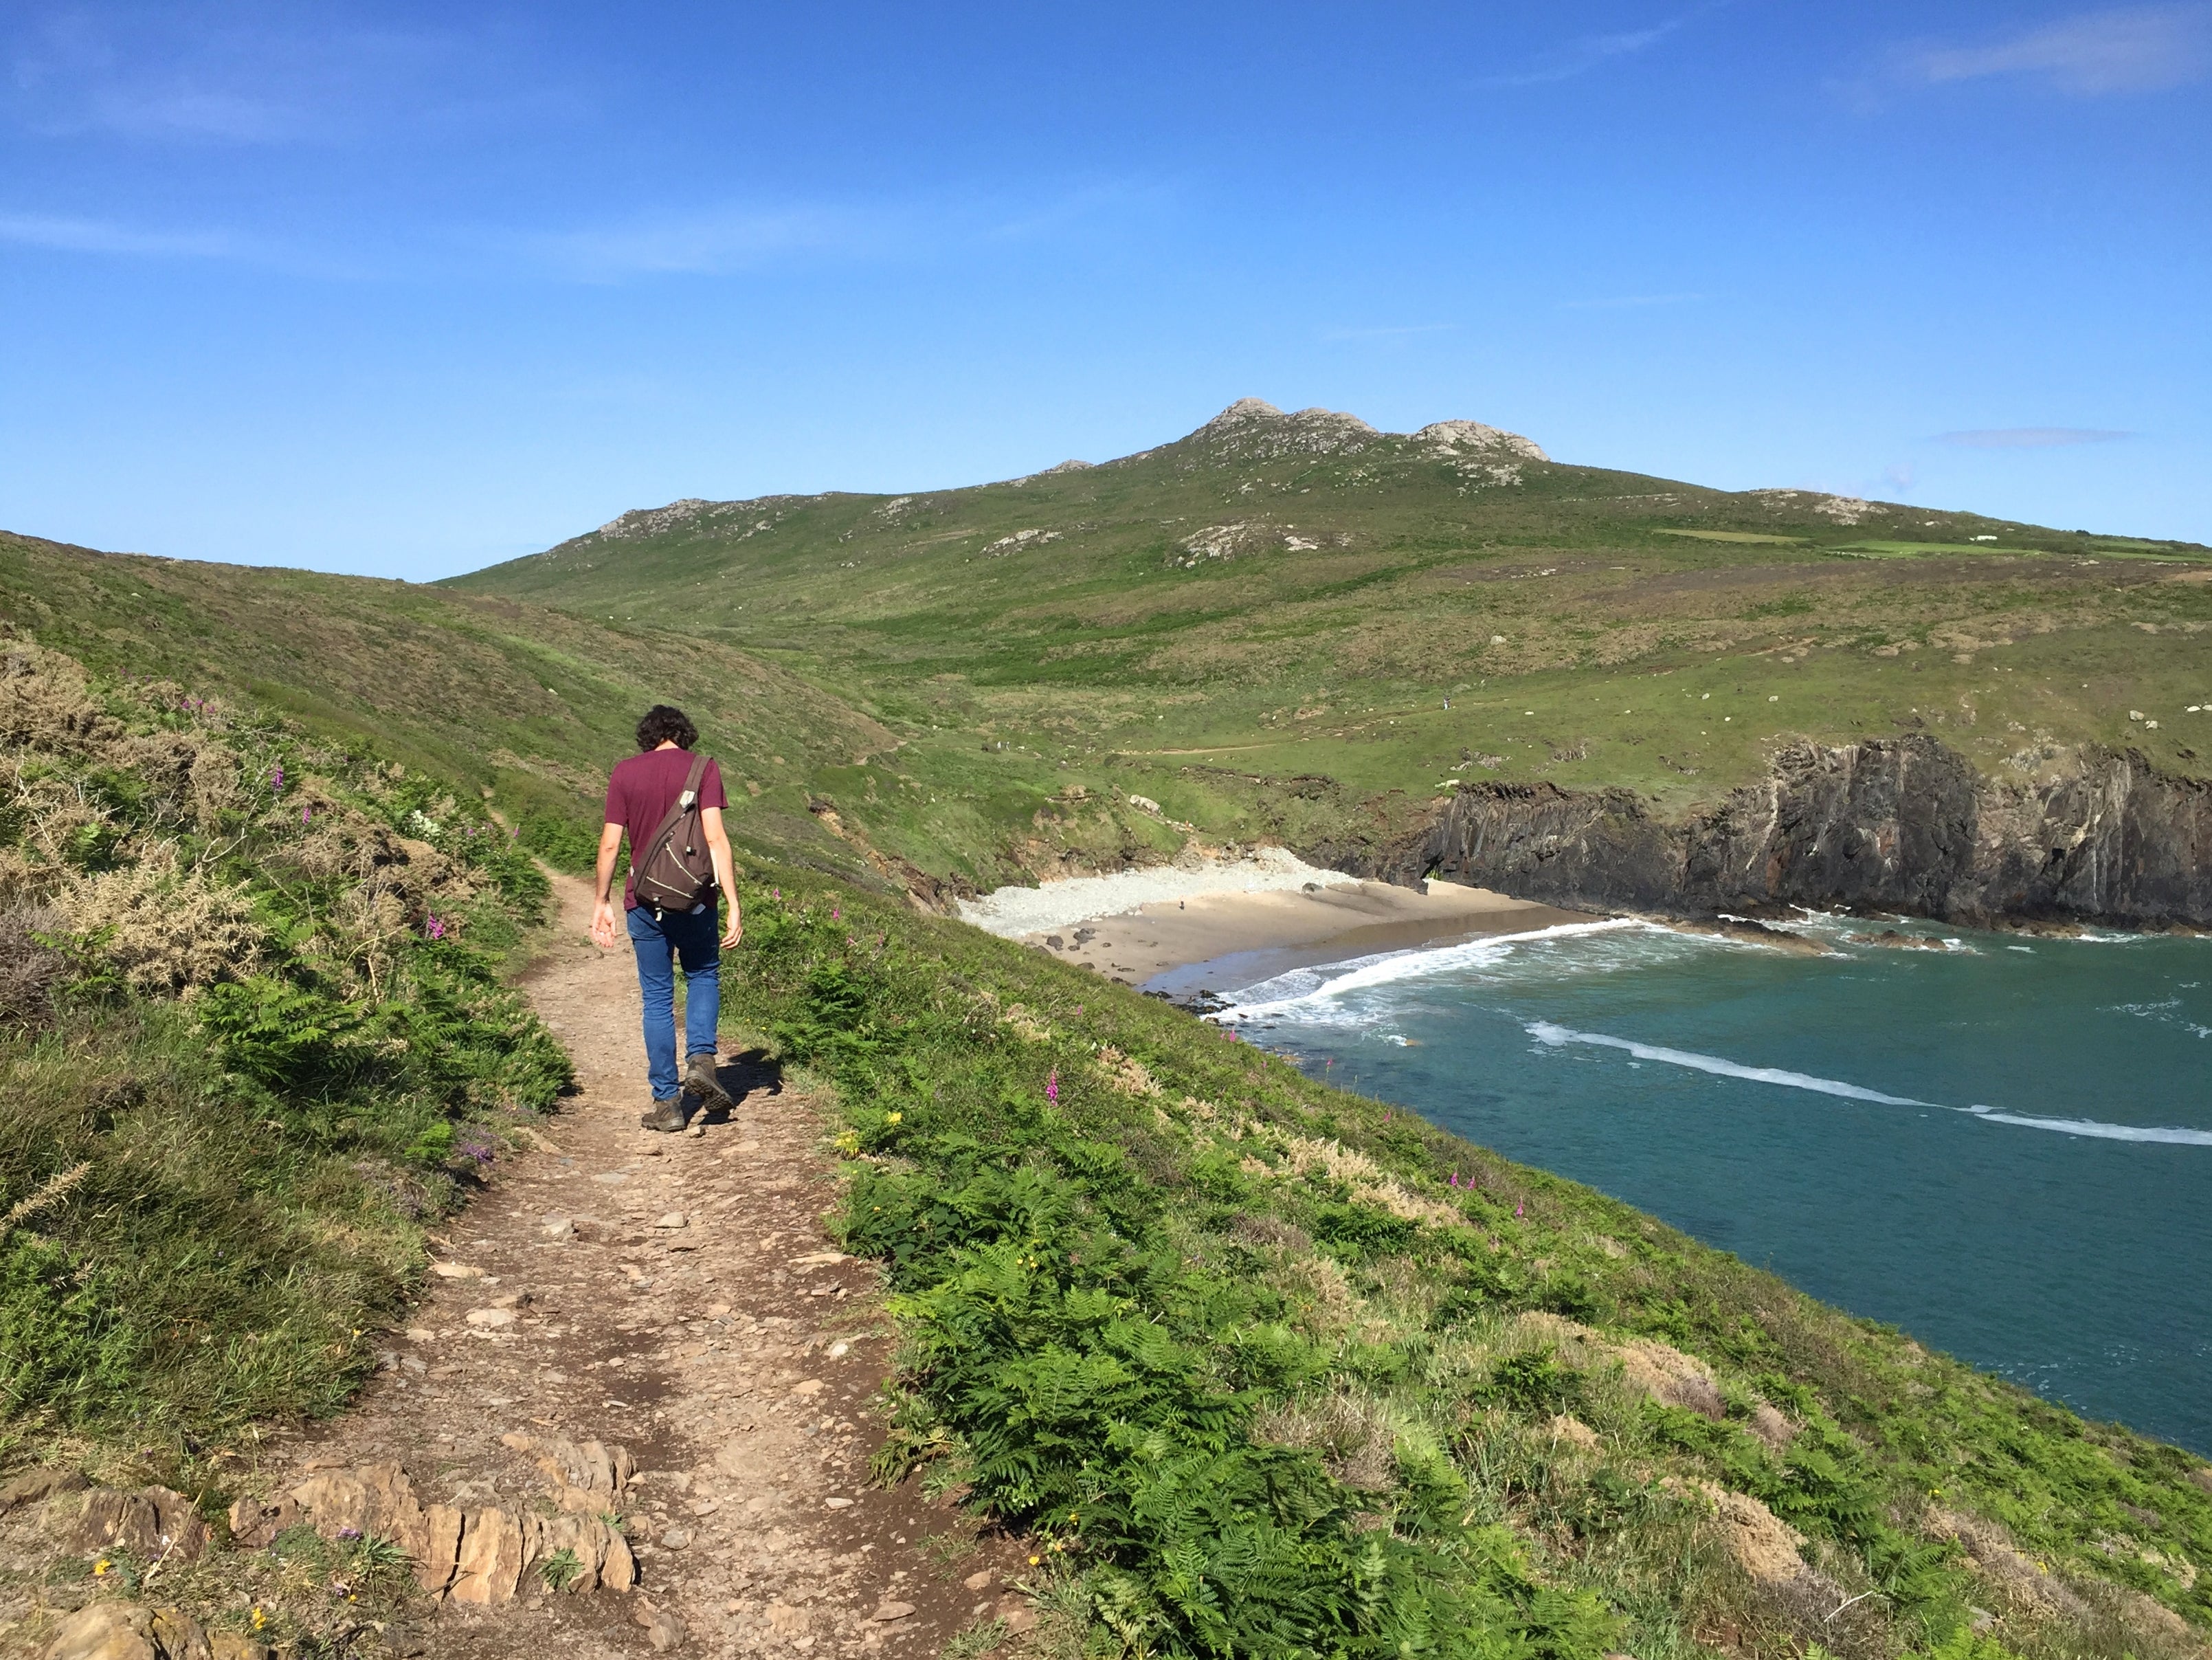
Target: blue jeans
[(695, 938)]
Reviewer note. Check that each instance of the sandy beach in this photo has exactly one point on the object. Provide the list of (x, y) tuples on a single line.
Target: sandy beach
[(1217, 927)]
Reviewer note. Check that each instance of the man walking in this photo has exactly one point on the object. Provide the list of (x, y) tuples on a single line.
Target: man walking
[(669, 803)]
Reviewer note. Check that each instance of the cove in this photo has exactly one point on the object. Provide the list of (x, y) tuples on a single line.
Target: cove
[(2003, 1145)]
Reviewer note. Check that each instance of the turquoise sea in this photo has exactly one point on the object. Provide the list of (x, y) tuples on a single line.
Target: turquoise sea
[(2003, 1147)]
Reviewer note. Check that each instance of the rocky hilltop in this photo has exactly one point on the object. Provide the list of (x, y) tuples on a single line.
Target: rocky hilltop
[(1251, 430), (1904, 824), (1296, 626)]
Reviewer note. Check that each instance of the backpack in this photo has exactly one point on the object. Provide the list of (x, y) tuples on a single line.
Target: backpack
[(675, 870)]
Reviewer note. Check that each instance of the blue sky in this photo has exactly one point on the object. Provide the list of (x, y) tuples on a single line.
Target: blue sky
[(405, 289)]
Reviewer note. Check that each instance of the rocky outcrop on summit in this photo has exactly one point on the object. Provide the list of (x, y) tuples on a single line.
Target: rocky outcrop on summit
[(1473, 438), (1253, 429), (1904, 824)]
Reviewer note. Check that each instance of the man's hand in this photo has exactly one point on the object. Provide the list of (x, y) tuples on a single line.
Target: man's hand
[(726, 872), (603, 908)]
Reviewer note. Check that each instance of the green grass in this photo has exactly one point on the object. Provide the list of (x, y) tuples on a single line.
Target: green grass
[(1257, 1378), (1743, 536), (256, 1039), (1918, 549), (522, 701), (1258, 1367)]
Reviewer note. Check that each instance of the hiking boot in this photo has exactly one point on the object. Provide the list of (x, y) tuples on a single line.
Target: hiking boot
[(666, 1115), (699, 1077)]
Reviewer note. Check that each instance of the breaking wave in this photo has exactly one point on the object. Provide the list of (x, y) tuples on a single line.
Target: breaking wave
[(1544, 1031), (1303, 986)]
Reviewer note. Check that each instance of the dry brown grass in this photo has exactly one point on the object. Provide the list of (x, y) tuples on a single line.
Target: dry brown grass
[(166, 930)]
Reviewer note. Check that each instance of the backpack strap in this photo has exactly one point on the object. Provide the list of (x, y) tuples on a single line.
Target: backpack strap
[(691, 781)]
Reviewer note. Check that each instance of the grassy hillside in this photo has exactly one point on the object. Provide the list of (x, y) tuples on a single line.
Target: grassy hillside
[(521, 701), (1262, 1369), (1269, 1369), (1258, 627), (1278, 597), (254, 1037)]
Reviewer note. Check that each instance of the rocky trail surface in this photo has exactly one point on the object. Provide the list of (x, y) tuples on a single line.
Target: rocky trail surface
[(640, 1350)]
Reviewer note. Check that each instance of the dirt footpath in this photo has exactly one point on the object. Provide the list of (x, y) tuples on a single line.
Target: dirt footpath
[(676, 1296)]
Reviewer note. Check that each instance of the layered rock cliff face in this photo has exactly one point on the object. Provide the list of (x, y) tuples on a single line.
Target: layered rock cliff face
[(1902, 825)]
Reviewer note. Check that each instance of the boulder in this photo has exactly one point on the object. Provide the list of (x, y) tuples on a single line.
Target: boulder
[(254, 1524), (151, 1523), (490, 1560), (129, 1631), (31, 1486), (442, 1550)]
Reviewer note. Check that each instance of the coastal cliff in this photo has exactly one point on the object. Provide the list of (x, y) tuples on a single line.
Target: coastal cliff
[(1894, 823)]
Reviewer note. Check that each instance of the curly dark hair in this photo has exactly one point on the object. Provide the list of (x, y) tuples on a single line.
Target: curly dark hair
[(661, 724)]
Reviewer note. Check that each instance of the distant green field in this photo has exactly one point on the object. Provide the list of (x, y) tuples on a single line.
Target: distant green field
[(1733, 536), (1909, 550), (2116, 549)]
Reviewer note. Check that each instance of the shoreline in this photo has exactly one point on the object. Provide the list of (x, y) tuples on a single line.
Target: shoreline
[(1195, 932)]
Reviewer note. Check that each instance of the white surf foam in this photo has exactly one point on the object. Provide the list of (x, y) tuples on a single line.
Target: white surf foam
[(2174, 1135), (1309, 986), (1544, 1031)]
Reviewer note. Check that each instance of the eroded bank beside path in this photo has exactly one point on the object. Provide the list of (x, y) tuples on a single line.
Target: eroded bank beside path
[(641, 1362)]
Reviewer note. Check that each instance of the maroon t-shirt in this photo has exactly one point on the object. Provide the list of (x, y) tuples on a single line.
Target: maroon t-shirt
[(640, 791)]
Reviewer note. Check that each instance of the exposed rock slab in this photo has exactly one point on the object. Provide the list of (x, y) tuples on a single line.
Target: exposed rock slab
[(129, 1631), (152, 1523), (1904, 825)]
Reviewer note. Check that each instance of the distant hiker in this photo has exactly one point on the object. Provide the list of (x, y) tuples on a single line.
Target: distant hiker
[(669, 803)]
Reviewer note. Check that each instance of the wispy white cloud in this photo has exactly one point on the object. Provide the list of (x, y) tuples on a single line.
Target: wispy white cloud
[(1590, 51), (731, 238), (1068, 211), (92, 236), (2030, 438), (1621, 301), (738, 237), (1390, 331), (2123, 49), (709, 240), (248, 72)]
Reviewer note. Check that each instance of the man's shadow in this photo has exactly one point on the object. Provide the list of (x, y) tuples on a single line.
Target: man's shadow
[(755, 1072)]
